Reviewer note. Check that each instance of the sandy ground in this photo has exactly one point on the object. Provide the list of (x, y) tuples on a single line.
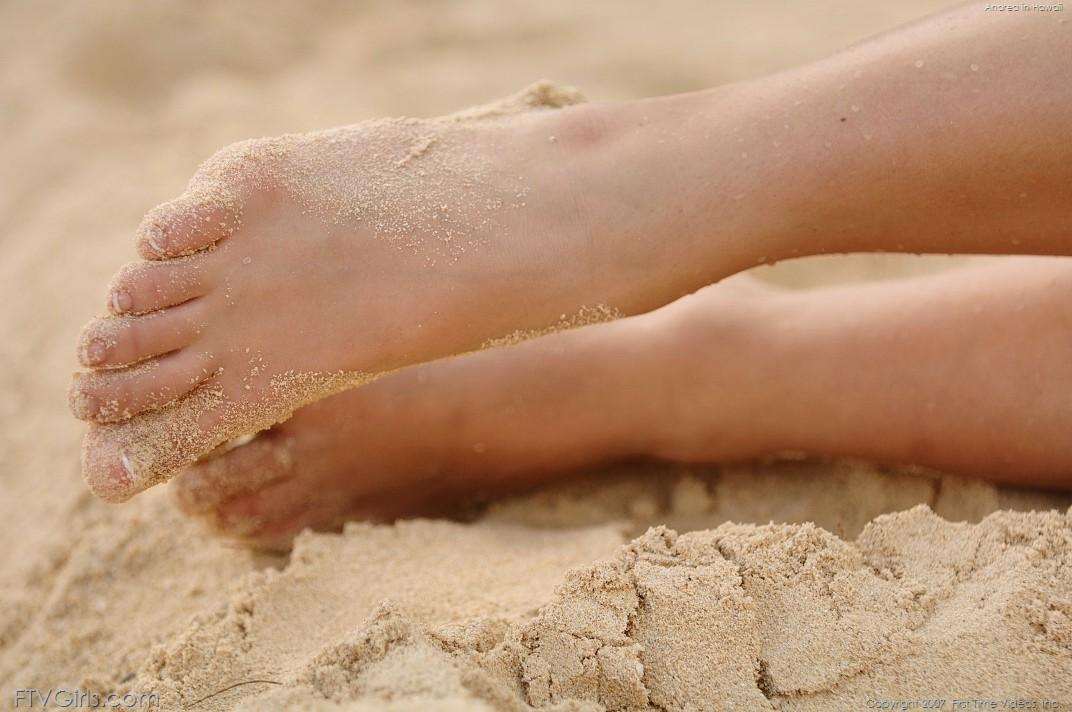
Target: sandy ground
[(544, 600)]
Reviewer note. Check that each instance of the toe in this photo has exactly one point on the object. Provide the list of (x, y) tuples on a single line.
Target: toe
[(113, 342), (142, 287), (107, 468), (191, 222), (110, 396), (121, 459), (278, 536), (272, 516), (246, 468)]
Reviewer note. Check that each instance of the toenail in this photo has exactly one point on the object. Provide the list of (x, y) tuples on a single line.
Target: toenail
[(94, 352), (84, 404), (157, 240), (123, 458), (121, 302)]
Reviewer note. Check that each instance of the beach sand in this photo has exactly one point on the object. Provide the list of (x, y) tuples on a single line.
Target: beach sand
[(791, 585)]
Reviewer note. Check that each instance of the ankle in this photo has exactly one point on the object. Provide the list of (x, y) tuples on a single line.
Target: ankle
[(718, 378), (686, 188)]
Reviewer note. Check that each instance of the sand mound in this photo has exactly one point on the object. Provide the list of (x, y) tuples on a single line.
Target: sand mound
[(738, 617), (523, 610)]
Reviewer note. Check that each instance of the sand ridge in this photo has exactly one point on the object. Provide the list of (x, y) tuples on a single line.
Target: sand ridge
[(784, 617), (544, 602)]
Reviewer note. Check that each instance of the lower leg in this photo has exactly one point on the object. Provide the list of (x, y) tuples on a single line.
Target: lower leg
[(964, 372)]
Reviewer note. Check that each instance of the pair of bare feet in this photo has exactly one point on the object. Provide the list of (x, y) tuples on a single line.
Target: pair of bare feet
[(296, 267)]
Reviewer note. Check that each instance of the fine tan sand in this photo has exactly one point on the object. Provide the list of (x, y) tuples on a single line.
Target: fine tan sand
[(792, 585)]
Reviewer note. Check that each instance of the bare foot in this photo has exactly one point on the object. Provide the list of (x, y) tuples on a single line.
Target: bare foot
[(416, 440), (294, 268)]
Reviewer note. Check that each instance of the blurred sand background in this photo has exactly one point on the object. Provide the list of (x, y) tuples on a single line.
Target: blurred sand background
[(107, 107)]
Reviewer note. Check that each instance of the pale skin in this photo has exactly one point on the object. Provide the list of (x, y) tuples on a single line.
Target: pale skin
[(946, 136)]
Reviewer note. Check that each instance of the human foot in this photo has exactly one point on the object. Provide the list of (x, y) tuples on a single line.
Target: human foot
[(417, 440), (309, 264)]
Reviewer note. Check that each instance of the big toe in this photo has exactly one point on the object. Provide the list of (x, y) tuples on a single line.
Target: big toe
[(242, 467), (107, 469), (271, 517), (190, 223), (120, 460)]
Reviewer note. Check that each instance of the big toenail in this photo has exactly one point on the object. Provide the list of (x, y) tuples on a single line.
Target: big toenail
[(157, 240), (121, 302), (94, 352), (125, 459)]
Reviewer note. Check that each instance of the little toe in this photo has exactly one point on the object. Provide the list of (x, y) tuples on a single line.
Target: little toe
[(190, 223), (113, 342), (247, 467), (110, 396), (142, 287)]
